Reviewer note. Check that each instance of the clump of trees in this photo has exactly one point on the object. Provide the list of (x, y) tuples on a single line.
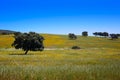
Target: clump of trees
[(114, 36), (28, 41), (103, 34), (4, 33), (85, 33), (72, 36), (118, 35), (106, 34)]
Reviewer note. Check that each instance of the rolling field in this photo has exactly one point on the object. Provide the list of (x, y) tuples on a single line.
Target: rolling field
[(98, 59)]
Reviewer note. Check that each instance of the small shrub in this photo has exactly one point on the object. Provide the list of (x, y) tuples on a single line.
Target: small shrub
[(72, 36), (76, 47)]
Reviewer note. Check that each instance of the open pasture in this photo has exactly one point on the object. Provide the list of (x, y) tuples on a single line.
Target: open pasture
[(98, 59)]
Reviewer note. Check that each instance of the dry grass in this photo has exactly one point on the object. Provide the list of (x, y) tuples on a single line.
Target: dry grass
[(99, 59), (6, 41), (53, 41), (94, 64)]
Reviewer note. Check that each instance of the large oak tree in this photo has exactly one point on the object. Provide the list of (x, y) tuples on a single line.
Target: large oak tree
[(28, 41)]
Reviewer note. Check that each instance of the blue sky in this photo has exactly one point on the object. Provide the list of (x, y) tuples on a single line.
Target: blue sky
[(60, 16)]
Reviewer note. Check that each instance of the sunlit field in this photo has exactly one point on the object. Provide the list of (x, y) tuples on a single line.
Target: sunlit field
[(6, 41), (98, 59)]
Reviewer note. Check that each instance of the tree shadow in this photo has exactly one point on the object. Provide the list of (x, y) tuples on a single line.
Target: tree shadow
[(20, 54), (112, 39)]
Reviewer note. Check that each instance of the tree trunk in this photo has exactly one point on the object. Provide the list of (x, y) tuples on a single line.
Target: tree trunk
[(26, 51)]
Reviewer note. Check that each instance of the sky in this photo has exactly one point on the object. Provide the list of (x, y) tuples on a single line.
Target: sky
[(60, 16)]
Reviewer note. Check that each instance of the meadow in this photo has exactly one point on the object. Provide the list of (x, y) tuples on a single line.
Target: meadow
[(98, 59)]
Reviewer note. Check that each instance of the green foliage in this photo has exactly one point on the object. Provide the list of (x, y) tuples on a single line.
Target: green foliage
[(75, 47), (104, 34), (85, 33), (72, 36), (114, 36), (28, 41)]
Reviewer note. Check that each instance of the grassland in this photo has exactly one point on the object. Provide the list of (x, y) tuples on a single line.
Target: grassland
[(98, 59)]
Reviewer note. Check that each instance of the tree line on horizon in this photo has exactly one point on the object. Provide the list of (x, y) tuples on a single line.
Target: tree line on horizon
[(100, 34), (71, 35), (106, 34), (6, 32)]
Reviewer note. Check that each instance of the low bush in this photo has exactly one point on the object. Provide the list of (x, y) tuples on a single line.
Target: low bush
[(75, 47)]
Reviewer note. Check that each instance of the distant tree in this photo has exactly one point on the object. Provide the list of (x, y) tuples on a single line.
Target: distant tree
[(105, 34), (95, 33), (28, 41), (113, 36), (100, 34), (4, 33), (118, 35), (72, 36), (17, 33), (85, 33)]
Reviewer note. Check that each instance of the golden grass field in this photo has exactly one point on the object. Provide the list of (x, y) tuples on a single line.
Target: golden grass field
[(98, 59)]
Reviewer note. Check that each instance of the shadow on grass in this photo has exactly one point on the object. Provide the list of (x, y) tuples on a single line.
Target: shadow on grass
[(21, 54)]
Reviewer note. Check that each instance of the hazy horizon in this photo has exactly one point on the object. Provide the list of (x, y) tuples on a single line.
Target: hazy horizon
[(60, 17)]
